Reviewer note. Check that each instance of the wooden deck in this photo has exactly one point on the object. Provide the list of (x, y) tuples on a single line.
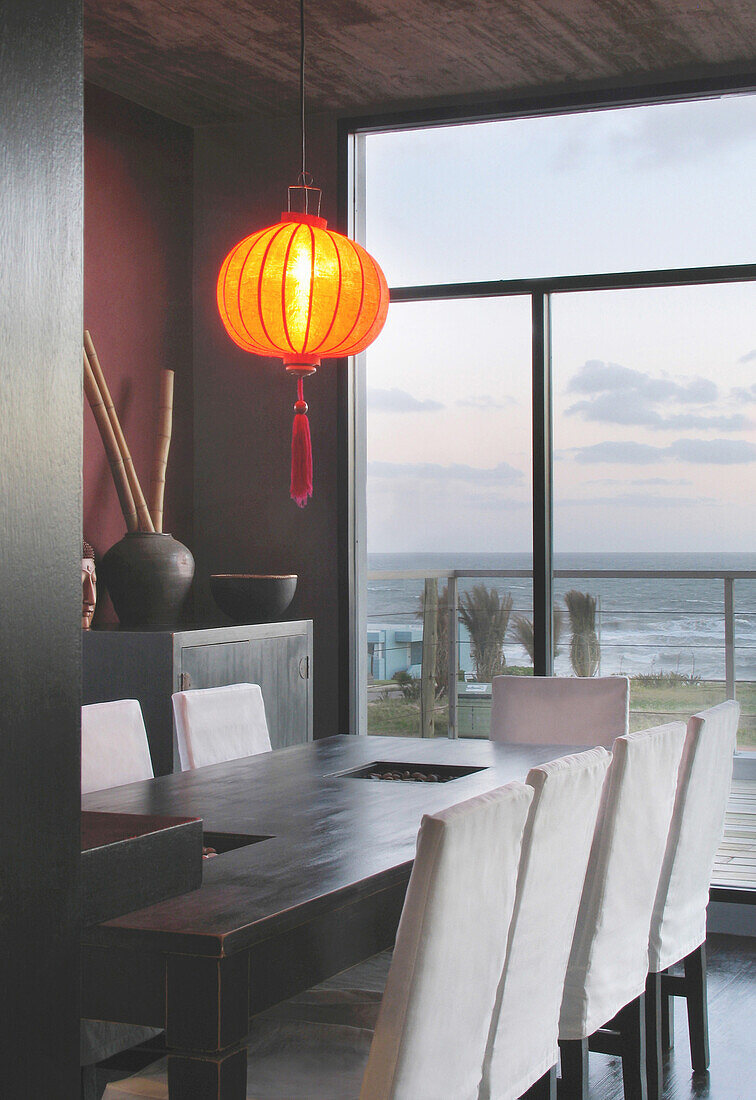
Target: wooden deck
[(735, 865)]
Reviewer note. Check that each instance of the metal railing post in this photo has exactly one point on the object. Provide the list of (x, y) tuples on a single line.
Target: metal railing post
[(453, 659), (729, 610), (428, 666)]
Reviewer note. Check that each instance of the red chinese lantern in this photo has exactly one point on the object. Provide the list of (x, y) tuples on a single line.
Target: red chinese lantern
[(299, 291)]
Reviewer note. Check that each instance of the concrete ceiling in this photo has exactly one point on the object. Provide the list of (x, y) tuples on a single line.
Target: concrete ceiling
[(204, 61)]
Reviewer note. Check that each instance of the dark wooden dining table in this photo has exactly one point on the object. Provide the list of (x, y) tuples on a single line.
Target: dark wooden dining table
[(310, 879)]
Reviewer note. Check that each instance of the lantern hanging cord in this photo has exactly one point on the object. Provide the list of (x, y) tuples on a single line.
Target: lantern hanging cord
[(302, 84)]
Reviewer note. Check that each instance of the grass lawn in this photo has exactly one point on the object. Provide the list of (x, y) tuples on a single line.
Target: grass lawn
[(652, 701), (401, 718)]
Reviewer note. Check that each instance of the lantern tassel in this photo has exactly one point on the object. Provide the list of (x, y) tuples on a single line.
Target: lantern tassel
[(301, 452)]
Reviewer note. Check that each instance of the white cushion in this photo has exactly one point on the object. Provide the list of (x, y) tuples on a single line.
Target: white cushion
[(114, 751), (217, 724), (114, 746), (523, 1040), (560, 710), (609, 958), (431, 1034), (703, 786)]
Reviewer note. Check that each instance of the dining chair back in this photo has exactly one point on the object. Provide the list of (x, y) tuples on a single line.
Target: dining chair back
[(220, 723), (560, 710), (523, 1037), (114, 746), (609, 957), (114, 751), (606, 974), (430, 1037), (678, 925), (432, 1028)]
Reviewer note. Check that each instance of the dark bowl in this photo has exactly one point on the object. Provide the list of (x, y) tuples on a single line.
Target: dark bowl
[(253, 598)]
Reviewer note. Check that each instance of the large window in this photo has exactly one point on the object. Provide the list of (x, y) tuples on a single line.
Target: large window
[(620, 230), (449, 467), (628, 189)]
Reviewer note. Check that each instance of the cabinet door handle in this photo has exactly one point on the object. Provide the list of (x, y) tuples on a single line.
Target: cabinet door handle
[(304, 668), (185, 681)]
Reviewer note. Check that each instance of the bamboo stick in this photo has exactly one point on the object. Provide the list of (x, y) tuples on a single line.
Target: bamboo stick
[(112, 450), (143, 515), (162, 447)]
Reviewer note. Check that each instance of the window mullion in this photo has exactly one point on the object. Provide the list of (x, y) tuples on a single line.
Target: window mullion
[(543, 656)]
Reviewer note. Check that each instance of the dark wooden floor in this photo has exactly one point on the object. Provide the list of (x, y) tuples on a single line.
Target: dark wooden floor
[(732, 1030)]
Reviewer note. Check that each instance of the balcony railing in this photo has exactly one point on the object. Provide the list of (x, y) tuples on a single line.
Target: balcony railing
[(697, 649)]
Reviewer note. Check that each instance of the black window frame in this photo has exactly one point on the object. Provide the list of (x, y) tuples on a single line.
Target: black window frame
[(540, 291)]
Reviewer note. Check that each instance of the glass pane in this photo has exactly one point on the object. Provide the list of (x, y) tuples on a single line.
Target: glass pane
[(633, 188), (744, 600), (654, 474), (449, 488)]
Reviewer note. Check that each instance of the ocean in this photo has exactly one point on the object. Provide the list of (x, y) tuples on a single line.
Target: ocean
[(645, 625)]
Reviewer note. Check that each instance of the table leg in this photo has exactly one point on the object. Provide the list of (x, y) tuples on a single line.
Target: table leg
[(206, 1021), (220, 1077)]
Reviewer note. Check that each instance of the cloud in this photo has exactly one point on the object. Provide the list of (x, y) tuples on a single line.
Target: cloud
[(745, 394), (748, 357), (494, 502), (653, 137), (620, 395), (660, 481), (704, 452), (616, 394), (678, 134), (503, 474), (484, 401), (633, 409), (735, 423), (399, 401), (640, 481), (617, 408), (596, 376), (718, 452), (632, 500), (616, 451)]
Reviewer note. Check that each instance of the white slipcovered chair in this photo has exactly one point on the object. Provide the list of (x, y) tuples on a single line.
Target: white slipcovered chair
[(114, 746), (522, 1049), (560, 710), (433, 1024), (678, 925), (114, 751), (220, 723), (603, 1003)]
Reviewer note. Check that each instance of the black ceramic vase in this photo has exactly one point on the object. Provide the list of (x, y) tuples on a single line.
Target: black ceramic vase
[(148, 576)]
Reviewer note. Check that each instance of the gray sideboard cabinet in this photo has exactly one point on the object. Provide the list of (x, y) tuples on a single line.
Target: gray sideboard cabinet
[(151, 665)]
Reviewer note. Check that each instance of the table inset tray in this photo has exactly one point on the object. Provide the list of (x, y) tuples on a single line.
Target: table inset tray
[(412, 773), (129, 861)]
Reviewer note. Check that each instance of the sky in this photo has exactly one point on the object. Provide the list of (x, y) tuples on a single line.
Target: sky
[(654, 390)]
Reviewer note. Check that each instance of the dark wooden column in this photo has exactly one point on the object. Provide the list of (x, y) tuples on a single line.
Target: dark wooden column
[(40, 521)]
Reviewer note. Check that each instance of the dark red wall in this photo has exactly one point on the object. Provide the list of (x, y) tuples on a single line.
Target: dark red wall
[(244, 519), (228, 477), (137, 300)]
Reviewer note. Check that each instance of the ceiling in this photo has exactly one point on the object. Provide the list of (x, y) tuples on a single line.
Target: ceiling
[(204, 61)]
